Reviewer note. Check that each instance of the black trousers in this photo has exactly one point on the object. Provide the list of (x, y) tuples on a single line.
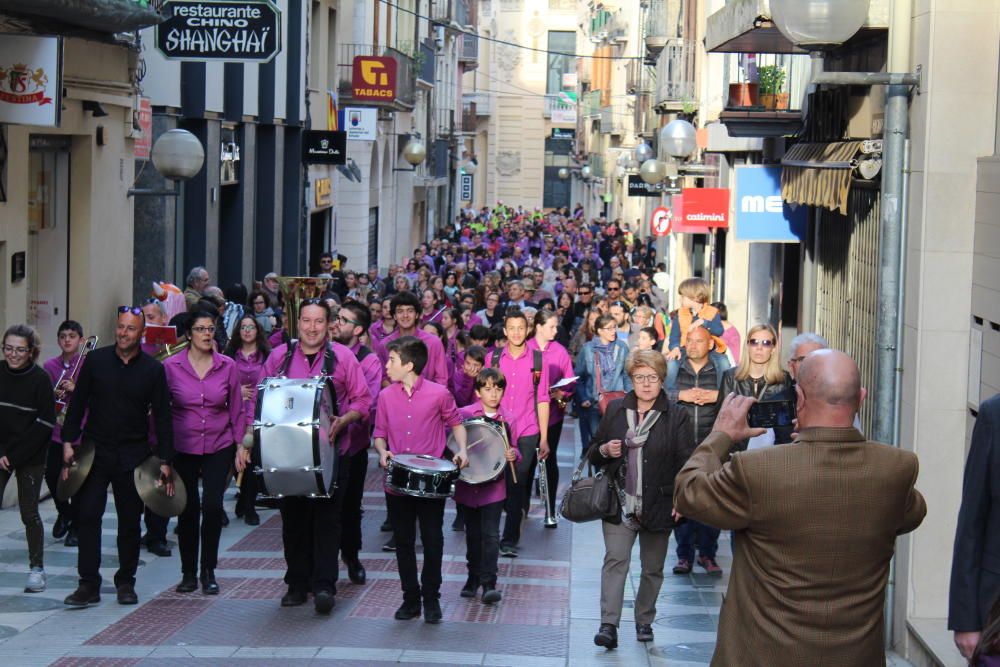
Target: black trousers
[(310, 531), (482, 540), (212, 470), (53, 469), (29, 488), (350, 537), (405, 513), (90, 501), (248, 492), (551, 466), (156, 526), (518, 493)]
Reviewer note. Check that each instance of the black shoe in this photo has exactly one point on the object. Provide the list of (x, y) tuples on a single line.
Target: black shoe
[(189, 583), (386, 526), (508, 551), (158, 548), (407, 611), (208, 584), (238, 510), (83, 596), (126, 594), (432, 611), (390, 545), (324, 601), (251, 517), (458, 525), (471, 586), (60, 527), (356, 571), (72, 540), (490, 594), (225, 519), (293, 598), (607, 636), (643, 632)]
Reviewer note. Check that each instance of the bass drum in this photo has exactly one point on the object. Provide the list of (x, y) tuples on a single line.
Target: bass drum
[(292, 451), (487, 447)]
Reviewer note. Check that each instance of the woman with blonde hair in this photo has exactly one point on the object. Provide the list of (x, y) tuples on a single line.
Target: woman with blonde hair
[(760, 375)]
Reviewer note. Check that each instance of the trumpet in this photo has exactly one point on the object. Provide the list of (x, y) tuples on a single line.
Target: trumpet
[(89, 345), (543, 490)]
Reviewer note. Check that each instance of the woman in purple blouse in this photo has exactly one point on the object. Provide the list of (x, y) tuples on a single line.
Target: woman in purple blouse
[(209, 419), (249, 349)]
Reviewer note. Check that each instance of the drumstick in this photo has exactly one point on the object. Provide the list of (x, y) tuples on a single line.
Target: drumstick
[(513, 473), (239, 480)]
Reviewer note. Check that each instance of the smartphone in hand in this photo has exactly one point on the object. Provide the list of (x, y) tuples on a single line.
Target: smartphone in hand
[(769, 414)]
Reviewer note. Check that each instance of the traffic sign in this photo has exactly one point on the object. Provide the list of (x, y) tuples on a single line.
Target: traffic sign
[(659, 221)]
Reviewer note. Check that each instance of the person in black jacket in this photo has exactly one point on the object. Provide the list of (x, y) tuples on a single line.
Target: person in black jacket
[(642, 442), (696, 390), (975, 567), (760, 376), (27, 415)]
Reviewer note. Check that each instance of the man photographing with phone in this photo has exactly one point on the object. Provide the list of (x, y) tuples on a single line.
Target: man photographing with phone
[(816, 523)]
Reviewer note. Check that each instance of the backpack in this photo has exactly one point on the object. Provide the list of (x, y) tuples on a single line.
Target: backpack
[(536, 364)]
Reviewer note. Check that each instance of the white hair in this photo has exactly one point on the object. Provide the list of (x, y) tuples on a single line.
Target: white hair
[(807, 337)]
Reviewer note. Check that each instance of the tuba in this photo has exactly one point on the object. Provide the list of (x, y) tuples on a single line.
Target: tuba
[(294, 291)]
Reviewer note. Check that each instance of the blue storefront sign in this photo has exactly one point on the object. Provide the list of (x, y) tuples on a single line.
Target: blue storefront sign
[(761, 215)]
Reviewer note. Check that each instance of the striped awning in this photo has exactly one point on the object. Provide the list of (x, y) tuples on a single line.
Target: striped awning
[(819, 174)]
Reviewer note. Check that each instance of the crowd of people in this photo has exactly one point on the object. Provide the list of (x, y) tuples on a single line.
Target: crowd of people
[(516, 317)]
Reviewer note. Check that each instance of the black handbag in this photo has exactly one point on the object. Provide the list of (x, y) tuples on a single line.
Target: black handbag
[(589, 498)]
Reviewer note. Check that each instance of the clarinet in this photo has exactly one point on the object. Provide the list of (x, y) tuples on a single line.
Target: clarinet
[(543, 491)]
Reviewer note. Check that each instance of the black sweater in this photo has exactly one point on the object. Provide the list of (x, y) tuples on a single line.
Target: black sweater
[(27, 414)]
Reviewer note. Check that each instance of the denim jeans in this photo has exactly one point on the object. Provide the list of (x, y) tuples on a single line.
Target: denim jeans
[(589, 419), (691, 534)]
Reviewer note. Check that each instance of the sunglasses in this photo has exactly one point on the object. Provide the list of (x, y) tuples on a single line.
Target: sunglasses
[(759, 342), (134, 310)]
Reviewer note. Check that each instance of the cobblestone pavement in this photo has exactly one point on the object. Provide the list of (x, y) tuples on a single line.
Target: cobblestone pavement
[(548, 616)]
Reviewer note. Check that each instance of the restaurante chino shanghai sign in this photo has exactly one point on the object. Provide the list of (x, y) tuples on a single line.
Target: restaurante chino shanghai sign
[(208, 30)]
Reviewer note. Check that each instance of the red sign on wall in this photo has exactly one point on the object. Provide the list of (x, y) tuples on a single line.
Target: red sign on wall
[(705, 207), (144, 142), (373, 78)]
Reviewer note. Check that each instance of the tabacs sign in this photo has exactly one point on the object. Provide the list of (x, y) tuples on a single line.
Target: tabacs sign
[(324, 147), (373, 78), (204, 30)]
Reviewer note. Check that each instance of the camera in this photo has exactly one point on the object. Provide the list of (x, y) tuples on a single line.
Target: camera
[(769, 414)]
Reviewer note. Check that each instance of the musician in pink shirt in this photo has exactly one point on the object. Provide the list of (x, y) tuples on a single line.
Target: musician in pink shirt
[(249, 349), (63, 370), (411, 418), (560, 366), (209, 419), (311, 526), (405, 307), (350, 325), (463, 378), (482, 504)]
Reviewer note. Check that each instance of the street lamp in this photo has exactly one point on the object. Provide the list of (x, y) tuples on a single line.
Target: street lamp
[(470, 166), (563, 173), (819, 25), (585, 171), (178, 155), (643, 152), (679, 138), (653, 171), (414, 152)]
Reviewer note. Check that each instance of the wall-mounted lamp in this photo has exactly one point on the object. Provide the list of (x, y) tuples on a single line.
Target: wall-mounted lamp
[(95, 108)]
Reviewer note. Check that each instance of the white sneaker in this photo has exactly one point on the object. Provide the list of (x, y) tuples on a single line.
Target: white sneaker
[(36, 581)]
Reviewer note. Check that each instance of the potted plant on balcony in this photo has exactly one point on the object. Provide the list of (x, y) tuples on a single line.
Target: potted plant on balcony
[(743, 95), (772, 80)]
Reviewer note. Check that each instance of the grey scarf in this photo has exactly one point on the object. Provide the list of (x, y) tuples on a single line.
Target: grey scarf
[(635, 439)]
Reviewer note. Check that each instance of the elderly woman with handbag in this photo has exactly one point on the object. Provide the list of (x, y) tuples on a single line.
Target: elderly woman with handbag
[(642, 442)]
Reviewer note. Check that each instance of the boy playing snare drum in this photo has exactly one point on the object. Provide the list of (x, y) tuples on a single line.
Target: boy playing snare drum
[(482, 504), (410, 418)]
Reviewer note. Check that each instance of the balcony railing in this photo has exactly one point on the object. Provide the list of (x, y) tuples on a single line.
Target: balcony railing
[(444, 121), (796, 68), (463, 13), (675, 74), (655, 30), (559, 110), (482, 101), (640, 77), (613, 119), (469, 53), (405, 75)]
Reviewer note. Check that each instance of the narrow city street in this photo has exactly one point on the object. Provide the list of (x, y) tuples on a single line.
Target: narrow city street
[(548, 616)]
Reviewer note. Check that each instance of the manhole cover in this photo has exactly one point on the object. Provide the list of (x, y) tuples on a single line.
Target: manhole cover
[(695, 622), (686, 651)]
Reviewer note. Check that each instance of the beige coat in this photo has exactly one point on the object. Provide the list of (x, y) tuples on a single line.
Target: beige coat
[(815, 527)]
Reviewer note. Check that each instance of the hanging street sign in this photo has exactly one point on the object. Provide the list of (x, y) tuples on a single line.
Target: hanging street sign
[(209, 30), (373, 78), (640, 188), (324, 147), (30, 80), (659, 221)]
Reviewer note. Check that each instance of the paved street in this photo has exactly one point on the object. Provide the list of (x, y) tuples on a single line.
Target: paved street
[(547, 618)]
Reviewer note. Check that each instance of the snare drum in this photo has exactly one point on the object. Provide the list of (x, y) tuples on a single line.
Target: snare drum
[(421, 475), (487, 447), (292, 450)]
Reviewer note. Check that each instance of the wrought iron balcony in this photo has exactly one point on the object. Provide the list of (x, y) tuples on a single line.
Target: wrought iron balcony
[(405, 97), (675, 75), (460, 13), (482, 101), (469, 51), (469, 118), (655, 32), (615, 119), (640, 77)]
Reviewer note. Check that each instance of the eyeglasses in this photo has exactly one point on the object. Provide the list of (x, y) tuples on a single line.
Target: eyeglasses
[(614, 289), (344, 320), (610, 327), (248, 327), (582, 293), (645, 379), (134, 310), (760, 342), (259, 302), (10, 349), (202, 330), (313, 302)]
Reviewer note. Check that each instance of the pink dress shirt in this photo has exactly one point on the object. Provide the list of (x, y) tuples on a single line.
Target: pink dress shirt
[(55, 367), (250, 371), (359, 433), (556, 359), (436, 369), (415, 423), (479, 495), (348, 380), (520, 397), (208, 412)]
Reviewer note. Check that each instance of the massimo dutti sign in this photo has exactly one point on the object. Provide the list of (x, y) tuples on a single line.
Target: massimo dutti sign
[(324, 147), (212, 30)]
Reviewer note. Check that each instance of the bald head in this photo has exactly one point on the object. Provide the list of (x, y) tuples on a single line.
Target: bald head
[(831, 377)]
